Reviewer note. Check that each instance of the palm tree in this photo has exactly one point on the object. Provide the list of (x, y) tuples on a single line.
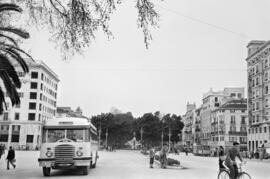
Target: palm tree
[(10, 56)]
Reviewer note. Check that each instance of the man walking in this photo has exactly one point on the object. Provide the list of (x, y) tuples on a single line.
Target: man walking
[(11, 158), (152, 156)]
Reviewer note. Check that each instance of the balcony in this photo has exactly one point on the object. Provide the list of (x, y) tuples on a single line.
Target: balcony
[(242, 133)]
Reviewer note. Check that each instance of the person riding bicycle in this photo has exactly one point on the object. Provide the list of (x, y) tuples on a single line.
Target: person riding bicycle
[(222, 158), (230, 160)]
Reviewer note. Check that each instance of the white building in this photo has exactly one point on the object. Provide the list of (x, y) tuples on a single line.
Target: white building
[(211, 101), (229, 124), (20, 126), (258, 64)]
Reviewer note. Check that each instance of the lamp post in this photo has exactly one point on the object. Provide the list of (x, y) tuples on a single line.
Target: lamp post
[(107, 138), (141, 134)]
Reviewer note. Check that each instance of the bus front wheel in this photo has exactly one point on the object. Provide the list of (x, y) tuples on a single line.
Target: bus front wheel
[(85, 170), (46, 171)]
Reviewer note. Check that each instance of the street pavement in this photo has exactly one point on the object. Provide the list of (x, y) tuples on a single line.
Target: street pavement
[(124, 164)]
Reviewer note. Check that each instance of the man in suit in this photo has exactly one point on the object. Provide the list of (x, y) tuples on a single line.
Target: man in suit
[(11, 158)]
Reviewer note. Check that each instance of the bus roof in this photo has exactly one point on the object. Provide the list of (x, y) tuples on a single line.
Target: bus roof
[(63, 122)]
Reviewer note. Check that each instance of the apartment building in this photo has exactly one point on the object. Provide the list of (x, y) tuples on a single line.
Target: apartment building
[(189, 124), (229, 124), (211, 101), (258, 65), (20, 126)]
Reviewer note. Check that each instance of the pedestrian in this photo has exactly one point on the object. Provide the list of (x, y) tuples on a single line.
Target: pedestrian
[(221, 158), (2, 150), (11, 158), (152, 156), (186, 150), (163, 156)]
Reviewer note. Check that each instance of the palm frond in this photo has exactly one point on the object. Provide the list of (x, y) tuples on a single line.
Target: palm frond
[(9, 7), (10, 39), (10, 88), (18, 58), (17, 49), (2, 101), (21, 33), (10, 70)]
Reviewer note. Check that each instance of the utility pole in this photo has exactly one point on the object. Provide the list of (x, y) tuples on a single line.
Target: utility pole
[(99, 133), (170, 133), (141, 134), (162, 134)]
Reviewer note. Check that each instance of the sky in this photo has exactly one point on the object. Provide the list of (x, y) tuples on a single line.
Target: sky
[(199, 45)]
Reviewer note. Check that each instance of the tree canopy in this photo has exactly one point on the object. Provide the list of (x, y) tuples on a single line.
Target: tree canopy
[(74, 23), (121, 128)]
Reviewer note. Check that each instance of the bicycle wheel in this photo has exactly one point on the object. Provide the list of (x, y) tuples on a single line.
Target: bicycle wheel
[(223, 174), (244, 175)]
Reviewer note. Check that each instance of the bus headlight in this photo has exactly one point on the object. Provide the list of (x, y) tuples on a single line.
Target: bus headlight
[(79, 153), (49, 154)]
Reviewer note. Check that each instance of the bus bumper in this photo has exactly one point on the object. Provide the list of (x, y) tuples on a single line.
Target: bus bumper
[(82, 161)]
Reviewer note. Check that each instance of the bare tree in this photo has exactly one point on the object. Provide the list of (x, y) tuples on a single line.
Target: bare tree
[(74, 23)]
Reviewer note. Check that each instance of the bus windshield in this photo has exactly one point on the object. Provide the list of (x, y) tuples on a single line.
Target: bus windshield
[(76, 135)]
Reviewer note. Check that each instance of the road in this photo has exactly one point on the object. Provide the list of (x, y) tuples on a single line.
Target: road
[(129, 164)]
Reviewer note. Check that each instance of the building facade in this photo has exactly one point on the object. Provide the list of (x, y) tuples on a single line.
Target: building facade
[(20, 126), (211, 101), (258, 69), (229, 124), (189, 125)]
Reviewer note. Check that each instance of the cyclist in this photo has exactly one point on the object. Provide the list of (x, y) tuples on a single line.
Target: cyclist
[(221, 158), (230, 160)]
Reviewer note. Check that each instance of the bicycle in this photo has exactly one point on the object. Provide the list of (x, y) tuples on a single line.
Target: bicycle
[(225, 173)]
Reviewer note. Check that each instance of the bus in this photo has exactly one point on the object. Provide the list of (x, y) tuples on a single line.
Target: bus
[(201, 150), (68, 142)]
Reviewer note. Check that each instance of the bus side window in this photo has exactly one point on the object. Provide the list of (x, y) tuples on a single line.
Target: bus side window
[(87, 135)]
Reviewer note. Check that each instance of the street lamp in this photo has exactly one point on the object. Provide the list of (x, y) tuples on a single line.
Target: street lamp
[(107, 138), (141, 134)]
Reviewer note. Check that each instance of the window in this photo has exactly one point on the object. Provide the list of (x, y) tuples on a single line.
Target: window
[(257, 69), (20, 95), (39, 117), (253, 82), (33, 95), (17, 105), (41, 86), (232, 119), (257, 81), (32, 105), (260, 129), (5, 116), (42, 76), (265, 129), (266, 89), (266, 76), (243, 111), (31, 116), (233, 94), (4, 133), (29, 138), (17, 116), (239, 95), (243, 120), (33, 85), (40, 107), (257, 105), (266, 63), (15, 136), (34, 75)]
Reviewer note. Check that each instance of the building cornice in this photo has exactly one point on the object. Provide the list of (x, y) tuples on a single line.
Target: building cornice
[(258, 51)]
